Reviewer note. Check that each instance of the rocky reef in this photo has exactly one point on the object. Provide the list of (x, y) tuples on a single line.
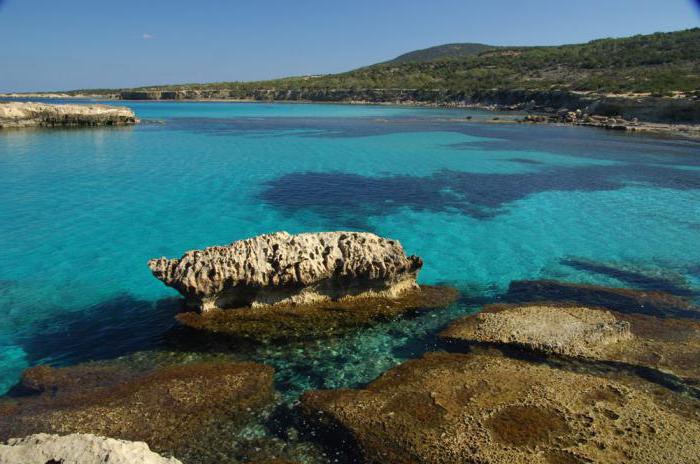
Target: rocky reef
[(78, 449), (30, 114), (669, 346), (281, 268), (487, 408), (310, 321), (165, 407)]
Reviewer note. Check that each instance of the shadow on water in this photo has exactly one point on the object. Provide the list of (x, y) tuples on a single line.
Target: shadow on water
[(479, 195), (637, 278), (109, 329)]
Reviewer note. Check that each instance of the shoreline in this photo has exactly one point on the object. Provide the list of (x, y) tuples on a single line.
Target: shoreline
[(684, 131)]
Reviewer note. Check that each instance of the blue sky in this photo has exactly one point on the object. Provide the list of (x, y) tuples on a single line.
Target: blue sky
[(69, 44)]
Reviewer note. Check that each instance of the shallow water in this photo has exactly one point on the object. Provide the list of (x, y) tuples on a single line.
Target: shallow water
[(483, 204)]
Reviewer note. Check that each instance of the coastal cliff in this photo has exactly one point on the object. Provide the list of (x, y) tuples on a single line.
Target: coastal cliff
[(30, 114)]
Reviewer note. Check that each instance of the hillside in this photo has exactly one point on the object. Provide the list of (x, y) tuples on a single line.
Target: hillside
[(660, 71), (447, 51)]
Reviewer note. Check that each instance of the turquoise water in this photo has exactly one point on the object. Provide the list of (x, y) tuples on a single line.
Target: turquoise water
[(83, 210)]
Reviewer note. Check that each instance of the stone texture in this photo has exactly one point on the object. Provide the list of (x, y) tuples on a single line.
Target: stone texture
[(671, 346), (299, 269), (165, 407), (323, 319), (78, 449), (571, 331), (449, 408), (16, 114)]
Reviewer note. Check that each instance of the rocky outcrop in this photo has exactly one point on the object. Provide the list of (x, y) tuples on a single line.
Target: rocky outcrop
[(78, 449), (16, 114), (669, 346), (281, 268), (484, 408), (571, 331), (165, 407)]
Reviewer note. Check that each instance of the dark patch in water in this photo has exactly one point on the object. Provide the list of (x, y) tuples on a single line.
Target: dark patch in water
[(524, 161), (638, 279), (115, 327), (480, 195)]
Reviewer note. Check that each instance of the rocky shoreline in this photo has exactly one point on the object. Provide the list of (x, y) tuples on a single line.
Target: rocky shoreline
[(31, 114), (556, 373)]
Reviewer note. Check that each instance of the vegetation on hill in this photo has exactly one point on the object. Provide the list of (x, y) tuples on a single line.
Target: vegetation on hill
[(447, 51), (660, 63)]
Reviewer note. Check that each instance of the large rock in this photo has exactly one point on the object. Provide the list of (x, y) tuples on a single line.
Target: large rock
[(459, 408), (16, 114), (177, 409), (670, 346), (78, 449), (281, 268)]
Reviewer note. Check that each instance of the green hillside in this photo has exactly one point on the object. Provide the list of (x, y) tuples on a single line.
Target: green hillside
[(448, 51)]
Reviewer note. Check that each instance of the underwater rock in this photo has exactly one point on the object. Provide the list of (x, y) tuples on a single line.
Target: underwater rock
[(670, 346), (281, 268), (78, 449), (623, 300), (323, 319), (164, 407), (27, 114), (484, 408)]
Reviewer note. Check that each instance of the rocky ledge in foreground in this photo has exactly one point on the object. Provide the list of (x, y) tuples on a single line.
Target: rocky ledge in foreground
[(30, 114), (487, 408), (281, 268), (180, 410), (669, 346), (78, 449)]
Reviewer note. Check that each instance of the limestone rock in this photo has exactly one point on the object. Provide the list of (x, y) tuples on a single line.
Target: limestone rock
[(78, 449), (669, 346), (27, 114), (572, 331), (281, 268), (165, 406), (450, 408)]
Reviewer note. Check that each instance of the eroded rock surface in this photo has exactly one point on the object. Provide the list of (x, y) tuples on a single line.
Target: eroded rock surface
[(306, 321), (281, 268), (178, 409), (448, 408), (78, 449), (27, 114), (668, 345)]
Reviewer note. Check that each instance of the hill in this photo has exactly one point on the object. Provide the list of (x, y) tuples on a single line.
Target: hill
[(455, 50)]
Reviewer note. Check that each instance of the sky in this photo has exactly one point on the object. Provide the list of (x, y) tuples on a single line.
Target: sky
[(55, 45)]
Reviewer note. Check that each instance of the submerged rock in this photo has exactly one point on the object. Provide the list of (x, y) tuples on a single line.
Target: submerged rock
[(78, 449), (623, 300), (484, 408), (324, 319), (671, 346), (290, 269), (27, 114), (165, 407)]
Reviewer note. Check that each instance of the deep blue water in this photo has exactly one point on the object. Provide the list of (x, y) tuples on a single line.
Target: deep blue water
[(81, 211)]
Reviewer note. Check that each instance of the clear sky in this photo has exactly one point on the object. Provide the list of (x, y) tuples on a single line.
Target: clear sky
[(69, 44)]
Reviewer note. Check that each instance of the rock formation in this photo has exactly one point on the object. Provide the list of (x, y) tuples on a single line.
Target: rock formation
[(165, 407), (78, 449), (290, 269), (670, 346), (486, 408), (17, 114)]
